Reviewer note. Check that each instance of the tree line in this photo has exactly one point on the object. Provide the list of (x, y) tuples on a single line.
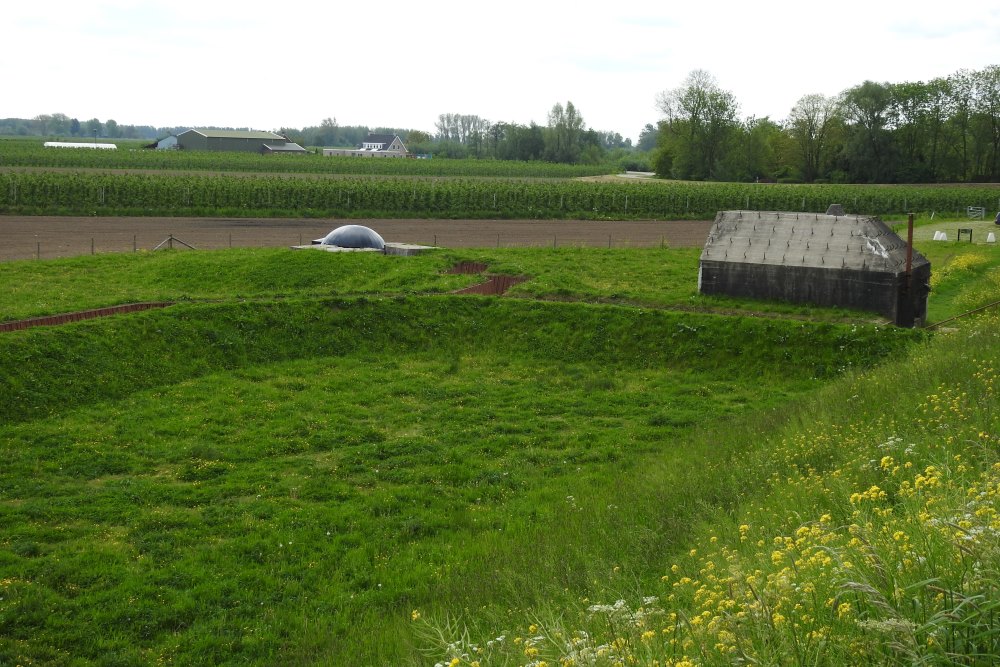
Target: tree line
[(62, 126), (943, 130), (564, 139)]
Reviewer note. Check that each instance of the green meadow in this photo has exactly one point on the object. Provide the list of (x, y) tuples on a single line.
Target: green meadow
[(642, 277), (316, 459)]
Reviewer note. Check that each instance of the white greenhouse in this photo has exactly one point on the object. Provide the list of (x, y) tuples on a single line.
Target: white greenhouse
[(81, 144)]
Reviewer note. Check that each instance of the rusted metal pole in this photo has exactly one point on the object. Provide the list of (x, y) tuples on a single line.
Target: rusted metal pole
[(909, 249)]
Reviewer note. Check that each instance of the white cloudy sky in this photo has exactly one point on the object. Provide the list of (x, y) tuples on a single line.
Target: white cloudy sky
[(402, 63)]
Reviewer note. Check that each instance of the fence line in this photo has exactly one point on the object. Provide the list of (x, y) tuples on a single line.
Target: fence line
[(96, 245)]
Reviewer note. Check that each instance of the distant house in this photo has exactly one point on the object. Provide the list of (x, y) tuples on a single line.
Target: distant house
[(374, 145), (248, 141), (850, 261)]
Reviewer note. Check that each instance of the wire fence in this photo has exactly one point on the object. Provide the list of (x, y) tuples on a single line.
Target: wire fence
[(65, 242)]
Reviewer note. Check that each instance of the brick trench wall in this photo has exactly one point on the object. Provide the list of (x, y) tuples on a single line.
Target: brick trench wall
[(65, 318), (493, 286)]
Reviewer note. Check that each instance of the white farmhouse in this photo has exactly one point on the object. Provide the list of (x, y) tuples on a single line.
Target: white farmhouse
[(374, 145)]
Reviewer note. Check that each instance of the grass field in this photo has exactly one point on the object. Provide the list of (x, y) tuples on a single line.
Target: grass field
[(650, 277), (318, 459), (17, 153)]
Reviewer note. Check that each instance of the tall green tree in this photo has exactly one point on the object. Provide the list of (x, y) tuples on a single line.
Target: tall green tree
[(327, 134), (700, 118), (467, 129), (57, 124), (648, 138), (94, 127), (985, 124), (916, 120), (957, 129), (870, 149), (563, 136), (810, 123), (753, 151), (521, 142)]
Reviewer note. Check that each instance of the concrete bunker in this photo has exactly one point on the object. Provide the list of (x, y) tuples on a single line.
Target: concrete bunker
[(353, 236), (358, 238), (849, 261)]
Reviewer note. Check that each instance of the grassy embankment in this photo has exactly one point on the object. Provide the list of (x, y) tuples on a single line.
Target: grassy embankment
[(876, 539), (288, 481), (657, 278)]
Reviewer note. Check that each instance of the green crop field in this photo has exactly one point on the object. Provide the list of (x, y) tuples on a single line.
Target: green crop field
[(133, 181), (121, 193), (330, 459), (130, 155)]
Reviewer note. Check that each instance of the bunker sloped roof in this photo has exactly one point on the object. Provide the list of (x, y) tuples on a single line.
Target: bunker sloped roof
[(815, 240), (354, 236)]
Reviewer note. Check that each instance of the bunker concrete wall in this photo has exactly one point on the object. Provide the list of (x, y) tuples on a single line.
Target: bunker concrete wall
[(877, 292)]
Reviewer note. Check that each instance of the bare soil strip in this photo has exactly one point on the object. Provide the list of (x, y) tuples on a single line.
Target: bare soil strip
[(46, 237)]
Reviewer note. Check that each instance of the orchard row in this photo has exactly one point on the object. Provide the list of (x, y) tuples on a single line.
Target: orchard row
[(92, 193)]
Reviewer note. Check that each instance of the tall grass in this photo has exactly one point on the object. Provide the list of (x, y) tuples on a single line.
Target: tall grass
[(48, 368), (875, 540), (266, 482), (394, 479), (647, 277)]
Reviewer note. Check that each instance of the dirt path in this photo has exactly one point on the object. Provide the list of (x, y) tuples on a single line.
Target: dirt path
[(28, 237)]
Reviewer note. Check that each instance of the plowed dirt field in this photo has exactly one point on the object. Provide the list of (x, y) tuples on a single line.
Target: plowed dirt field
[(45, 237)]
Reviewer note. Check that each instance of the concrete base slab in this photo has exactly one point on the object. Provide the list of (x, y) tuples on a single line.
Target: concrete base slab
[(404, 249)]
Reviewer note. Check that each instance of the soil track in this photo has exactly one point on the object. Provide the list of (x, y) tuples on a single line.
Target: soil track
[(28, 237)]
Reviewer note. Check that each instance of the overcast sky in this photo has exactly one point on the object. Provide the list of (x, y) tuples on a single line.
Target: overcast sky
[(401, 64)]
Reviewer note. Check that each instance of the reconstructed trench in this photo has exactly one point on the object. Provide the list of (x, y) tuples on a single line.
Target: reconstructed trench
[(494, 285)]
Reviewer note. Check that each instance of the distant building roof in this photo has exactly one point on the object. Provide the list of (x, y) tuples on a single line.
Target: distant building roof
[(380, 138), (284, 147), (238, 134)]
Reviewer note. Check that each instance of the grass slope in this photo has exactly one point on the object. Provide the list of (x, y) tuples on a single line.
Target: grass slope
[(402, 479), (32, 288), (50, 368), (651, 277), (875, 539), (284, 481)]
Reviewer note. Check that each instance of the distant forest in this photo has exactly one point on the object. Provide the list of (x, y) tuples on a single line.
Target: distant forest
[(946, 130)]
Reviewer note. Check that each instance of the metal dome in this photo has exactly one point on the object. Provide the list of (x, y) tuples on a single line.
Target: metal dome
[(354, 236)]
